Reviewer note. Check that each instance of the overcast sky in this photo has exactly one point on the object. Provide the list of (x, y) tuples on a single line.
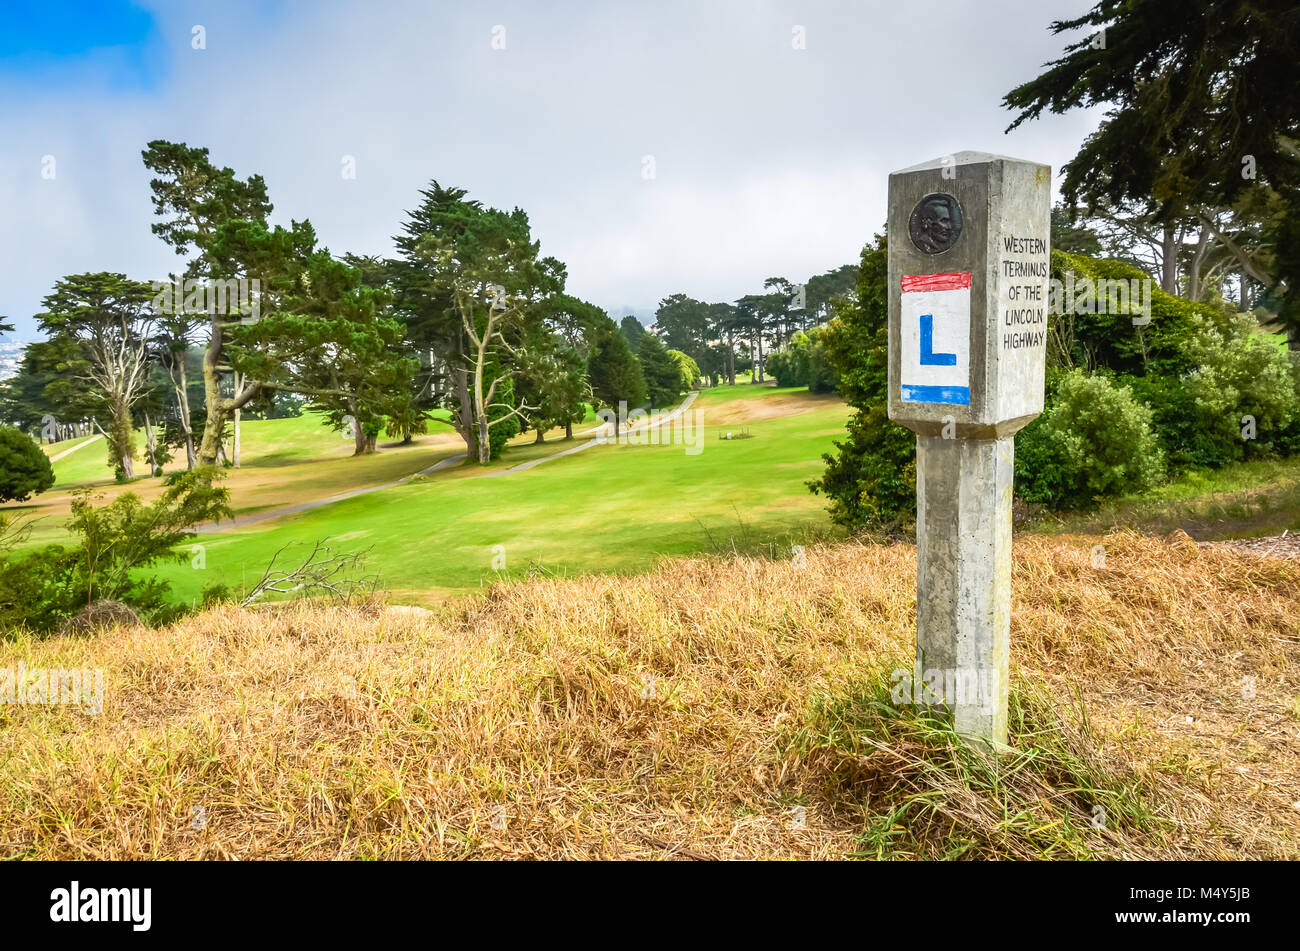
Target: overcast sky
[(767, 159)]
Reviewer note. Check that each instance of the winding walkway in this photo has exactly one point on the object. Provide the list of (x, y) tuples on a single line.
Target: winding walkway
[(242, 521), (80, 445)]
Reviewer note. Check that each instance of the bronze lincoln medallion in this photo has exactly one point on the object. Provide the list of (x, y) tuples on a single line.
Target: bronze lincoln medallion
[(935, 224)]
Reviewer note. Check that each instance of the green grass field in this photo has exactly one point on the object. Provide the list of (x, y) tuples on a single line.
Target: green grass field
[(610, 508), (1242, 500), (263, 442)]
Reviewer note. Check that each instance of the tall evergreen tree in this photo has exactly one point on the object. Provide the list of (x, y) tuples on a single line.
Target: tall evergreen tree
[(633, 330), (193, 198), (870, 479), (663, 376), (1203, 114), (614, 371), (109, 320)]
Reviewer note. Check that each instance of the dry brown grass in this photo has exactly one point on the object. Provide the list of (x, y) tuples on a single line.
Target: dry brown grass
[(669, 715), (738, 411)]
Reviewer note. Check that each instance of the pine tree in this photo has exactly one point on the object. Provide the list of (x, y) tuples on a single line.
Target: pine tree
[(614, 371), (663, 377)]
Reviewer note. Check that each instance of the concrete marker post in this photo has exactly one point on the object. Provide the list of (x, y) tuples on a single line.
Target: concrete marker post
[(968, 296)]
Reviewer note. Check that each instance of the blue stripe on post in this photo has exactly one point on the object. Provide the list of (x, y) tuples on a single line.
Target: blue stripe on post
[(959, 395)]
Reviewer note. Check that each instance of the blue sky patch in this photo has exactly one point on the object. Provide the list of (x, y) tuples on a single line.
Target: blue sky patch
[(113, 41)]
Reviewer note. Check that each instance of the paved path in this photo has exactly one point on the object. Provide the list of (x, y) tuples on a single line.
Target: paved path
[(80, 445), (252, 519), (596, 441)]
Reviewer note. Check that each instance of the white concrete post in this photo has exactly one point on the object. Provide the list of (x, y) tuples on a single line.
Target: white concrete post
[(968, 297)]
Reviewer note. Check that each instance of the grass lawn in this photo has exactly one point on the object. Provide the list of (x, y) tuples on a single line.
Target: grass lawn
[(1243, 500), (611, 508)]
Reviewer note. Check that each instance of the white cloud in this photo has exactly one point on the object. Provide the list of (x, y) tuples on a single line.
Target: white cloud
[(769, 160)]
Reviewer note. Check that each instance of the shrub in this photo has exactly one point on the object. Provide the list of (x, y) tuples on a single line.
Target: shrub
[(690, 370), (784, 367), (42, 589), (1175, 418), (805, 363), (1093, 440), (24, 468), (1241, 372)]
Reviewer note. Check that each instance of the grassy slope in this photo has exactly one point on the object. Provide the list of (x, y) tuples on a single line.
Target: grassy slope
[(284, 462), (682, 713), (1243, 500), (609, 508)]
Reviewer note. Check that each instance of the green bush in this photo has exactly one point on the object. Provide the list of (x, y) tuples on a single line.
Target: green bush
[(1243, 388), (783, 367), (24, 468), (1093, 440), (40, 589), (805, 363), (1175, 417), (690, 370)]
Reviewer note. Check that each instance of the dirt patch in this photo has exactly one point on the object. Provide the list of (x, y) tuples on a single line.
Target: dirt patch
[(735, 412), (1285, 545)]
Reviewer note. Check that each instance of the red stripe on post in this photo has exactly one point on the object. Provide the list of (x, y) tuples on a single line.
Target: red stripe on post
[(935, 282)]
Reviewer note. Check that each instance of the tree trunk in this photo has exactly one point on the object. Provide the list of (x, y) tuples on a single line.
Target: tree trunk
[(123, 432), (150, 445), (216, 416), (1198, 262), (234, 442), (568, 429), (1169, 259), (480, 403), (541, 436), (183, 409), (464, 410)]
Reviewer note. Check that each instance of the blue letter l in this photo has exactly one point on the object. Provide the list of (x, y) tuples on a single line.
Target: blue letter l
[(928, 357)]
